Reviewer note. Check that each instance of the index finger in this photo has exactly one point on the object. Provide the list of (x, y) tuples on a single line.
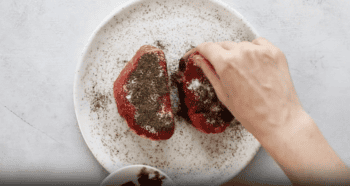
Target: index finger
[(213, 52)]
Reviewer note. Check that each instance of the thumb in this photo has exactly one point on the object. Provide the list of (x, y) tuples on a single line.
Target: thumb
[(210, 73)]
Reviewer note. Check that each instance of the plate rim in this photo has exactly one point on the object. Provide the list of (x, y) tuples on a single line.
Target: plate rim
[(79, 65), (118, 9)]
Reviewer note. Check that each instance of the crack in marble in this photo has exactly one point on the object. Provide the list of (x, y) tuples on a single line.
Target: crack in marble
[(30, 124)]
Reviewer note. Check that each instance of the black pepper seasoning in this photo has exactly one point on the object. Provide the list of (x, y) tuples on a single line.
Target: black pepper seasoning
[(147, 84)]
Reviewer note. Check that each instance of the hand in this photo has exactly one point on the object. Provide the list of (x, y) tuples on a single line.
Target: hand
[(252, 80)]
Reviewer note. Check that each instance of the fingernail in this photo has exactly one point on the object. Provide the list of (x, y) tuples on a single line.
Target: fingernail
[(197, 60)]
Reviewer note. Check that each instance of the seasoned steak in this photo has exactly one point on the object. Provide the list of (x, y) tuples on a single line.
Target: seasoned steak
[(204, 109), (142, 94)]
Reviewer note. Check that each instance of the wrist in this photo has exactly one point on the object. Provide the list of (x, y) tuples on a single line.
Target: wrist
[(304, 154), (299, 123)]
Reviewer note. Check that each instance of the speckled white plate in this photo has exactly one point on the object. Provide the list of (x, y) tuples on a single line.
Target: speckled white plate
[(189, 156)]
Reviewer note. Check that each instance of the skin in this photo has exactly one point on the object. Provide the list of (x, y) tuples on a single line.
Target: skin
[(252, 80)]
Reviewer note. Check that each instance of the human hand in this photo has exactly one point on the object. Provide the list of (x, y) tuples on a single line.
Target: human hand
[(252, 80)]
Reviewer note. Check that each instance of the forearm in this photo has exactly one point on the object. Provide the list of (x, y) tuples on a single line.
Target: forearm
[(304, 154)]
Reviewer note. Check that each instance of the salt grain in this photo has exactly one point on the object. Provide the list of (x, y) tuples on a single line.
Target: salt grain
[(216, 108), (194, 85), (128, 97), (211, 120), (150, 129)]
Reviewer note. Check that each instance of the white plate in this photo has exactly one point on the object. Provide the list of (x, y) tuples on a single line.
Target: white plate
[(130, 173), (189, 155)]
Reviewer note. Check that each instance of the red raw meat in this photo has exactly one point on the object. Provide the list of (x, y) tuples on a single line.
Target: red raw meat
[(150, 114), (204, 109)]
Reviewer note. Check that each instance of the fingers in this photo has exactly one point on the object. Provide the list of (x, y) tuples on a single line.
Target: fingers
[(214, 53), (201, 62), (210, 74), (227, 45)]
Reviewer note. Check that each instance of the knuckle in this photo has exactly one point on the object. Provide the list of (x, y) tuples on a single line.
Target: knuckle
[(248, 50), (265, 54)]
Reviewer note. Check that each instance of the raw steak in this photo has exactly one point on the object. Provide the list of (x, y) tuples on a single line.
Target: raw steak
[(142, 94), (198, 98)]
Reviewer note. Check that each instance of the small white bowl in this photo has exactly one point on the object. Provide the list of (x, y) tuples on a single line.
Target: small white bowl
[(132, 173)]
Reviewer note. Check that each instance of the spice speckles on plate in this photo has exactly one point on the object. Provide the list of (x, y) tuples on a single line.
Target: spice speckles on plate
[(175, 27)]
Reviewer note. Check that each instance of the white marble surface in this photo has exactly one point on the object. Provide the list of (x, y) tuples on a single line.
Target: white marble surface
[(41, 43)]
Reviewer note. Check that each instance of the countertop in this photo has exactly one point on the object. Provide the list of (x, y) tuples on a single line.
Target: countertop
[(42, 41)]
